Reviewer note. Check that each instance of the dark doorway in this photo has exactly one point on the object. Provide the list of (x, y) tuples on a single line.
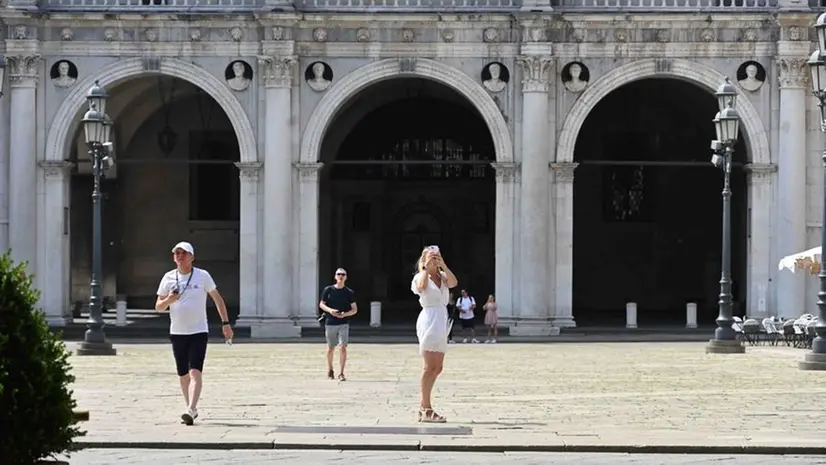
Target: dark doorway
[(647, 207), (407, 165)]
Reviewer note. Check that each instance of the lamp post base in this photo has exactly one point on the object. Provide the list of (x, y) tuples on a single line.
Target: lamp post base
[(813, 362), (95, 348), (722, 346)]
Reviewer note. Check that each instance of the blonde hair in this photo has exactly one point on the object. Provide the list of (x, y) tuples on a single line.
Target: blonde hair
[(420, 261), (491, 297)]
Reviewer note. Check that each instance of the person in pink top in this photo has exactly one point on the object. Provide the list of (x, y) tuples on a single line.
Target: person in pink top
[(491, 319)]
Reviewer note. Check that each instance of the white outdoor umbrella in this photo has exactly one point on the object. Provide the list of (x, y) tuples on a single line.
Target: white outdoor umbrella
[(810, 261)]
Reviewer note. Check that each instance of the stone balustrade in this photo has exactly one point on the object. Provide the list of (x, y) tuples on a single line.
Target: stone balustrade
[(400, 6)]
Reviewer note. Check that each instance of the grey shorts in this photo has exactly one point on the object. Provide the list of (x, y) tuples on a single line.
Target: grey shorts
[(337, 334)]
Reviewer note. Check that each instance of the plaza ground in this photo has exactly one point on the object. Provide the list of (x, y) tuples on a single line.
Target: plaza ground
[(506, 396)]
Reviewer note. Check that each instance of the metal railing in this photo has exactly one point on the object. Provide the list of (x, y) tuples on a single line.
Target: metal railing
[(407, 5), (155, 6), (664, 5)]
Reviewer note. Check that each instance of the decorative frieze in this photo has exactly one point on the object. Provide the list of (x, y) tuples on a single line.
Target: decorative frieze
[(309, 171), (760, 173), (563, 172), (23, 70), (505, 172), (277, 71), (794, 72), (535, 73), (249, 171)]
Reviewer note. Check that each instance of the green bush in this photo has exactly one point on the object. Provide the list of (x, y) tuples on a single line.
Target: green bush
[(35, 401)]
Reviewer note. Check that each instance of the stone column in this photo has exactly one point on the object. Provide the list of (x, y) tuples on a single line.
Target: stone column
[(791, 207), (23, 159), (533, 314), (248, 238), (52, 238), (759, 263), (4, 171), (277, 286), (563, 222), (503, 255), (308, 291)]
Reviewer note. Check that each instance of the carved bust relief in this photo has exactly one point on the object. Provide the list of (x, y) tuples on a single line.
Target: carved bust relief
[(319, 76), (575, 76), (63, 73), (495, 77), (238, 75), (751, 75)]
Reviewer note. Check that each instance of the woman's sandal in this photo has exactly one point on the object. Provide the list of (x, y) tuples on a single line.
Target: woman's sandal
[(428, 415), (341, 377)]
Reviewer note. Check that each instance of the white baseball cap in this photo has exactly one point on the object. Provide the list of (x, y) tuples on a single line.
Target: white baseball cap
[(185, 246)]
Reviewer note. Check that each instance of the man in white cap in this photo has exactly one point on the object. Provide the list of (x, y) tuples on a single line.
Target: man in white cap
[(184, 292)]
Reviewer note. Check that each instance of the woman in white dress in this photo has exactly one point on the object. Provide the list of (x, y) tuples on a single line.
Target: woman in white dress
[(432, 284)]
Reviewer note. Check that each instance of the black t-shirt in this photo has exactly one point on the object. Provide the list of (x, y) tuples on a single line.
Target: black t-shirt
[(339, 299)]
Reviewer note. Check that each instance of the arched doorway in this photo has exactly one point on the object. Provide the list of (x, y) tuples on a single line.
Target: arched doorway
[(174, 179), (408, 164), (647, 207)]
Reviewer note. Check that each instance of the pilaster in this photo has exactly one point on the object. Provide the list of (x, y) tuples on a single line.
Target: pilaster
[(506, 178), (308, 291), (53, 243), (791, 229), (248, 238), (22, 166), (533, 316), (759, 265), (563, 221)]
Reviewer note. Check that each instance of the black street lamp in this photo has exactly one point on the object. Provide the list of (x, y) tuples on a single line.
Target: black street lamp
[(727, 125), (2, 73), (97, 128), (816, 359)]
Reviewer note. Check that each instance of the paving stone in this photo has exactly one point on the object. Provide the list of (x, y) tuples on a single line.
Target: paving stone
[(586, 394)]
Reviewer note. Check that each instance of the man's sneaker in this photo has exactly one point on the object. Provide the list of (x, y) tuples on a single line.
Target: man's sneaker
[(487, 341), (451, 341), (493, 341), (475, 341), (189, 416), (464, 341)]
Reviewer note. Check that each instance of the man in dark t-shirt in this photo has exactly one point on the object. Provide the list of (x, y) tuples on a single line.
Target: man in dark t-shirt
[(339, 302)]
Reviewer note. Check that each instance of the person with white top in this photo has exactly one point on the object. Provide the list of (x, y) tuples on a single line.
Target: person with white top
[(467, 306), (432, 284), (183, 291)]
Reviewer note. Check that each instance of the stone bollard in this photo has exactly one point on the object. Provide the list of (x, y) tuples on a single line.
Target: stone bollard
[(691, 315), (120, 318), (375, 314), (631, 315)]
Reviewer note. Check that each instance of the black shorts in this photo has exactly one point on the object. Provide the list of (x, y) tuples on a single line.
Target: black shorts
[(189, 351), (467, 323)]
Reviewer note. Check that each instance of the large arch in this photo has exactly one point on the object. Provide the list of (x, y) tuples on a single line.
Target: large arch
[(65, 120), (708, 78), (352, 84)]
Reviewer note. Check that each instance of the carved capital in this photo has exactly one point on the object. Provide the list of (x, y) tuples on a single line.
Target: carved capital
[(23, 70), (309, 171), (794, 72), (249, 171), (535, 73), (505, 172), (760, 173), (563, 172), (277, 71), (56, 169)]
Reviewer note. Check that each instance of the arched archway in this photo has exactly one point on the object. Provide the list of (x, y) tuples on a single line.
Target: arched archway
[(130, 263), (407, 164), (647, 207)]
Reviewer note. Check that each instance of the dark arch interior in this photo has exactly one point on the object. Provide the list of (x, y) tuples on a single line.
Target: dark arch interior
[(407, 164), (174, 179), (648, 207)]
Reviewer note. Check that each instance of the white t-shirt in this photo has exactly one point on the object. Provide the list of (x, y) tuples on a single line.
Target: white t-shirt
[(464, 304), (188, 315)]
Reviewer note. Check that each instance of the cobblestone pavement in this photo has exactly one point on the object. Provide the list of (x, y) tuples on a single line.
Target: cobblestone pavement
[(155, 457), (514, 394)]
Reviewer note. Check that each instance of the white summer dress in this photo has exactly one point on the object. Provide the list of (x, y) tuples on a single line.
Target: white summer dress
[(432, 324)]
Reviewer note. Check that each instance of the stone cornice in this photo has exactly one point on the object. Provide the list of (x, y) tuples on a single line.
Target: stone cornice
[(668, 50), (164, 49)]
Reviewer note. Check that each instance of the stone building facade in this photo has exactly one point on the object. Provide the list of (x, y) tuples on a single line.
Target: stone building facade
[(236, 127)]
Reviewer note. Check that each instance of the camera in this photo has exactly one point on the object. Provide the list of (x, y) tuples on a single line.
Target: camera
[(175, 290)]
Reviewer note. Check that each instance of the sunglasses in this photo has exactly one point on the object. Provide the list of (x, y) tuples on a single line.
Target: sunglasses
[(341, 274)]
